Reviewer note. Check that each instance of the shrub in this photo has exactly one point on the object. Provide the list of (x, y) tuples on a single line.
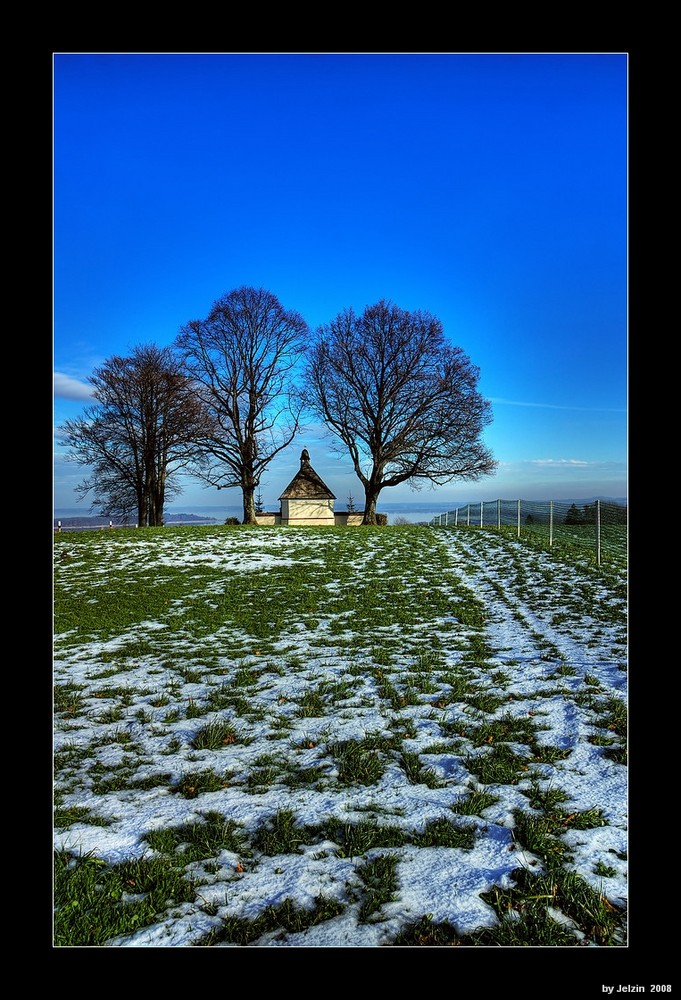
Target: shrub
[(232, 520), (382, 519)]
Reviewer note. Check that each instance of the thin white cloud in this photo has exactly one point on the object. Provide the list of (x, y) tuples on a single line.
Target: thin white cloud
[(527, 466), (560, 461), (554, 406), (66, 387)]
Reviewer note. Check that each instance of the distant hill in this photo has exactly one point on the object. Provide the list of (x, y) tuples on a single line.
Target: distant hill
[(580, 501), (97, 521), (189, 517)]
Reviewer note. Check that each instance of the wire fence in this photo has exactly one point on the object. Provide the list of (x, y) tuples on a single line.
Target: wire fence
[(600, 526)]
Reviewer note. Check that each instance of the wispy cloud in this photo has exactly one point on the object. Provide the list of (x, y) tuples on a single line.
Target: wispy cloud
[(561, 461), (554, 406), (66, 387)]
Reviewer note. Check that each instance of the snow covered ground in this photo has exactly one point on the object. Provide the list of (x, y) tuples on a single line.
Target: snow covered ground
[(549, 645)]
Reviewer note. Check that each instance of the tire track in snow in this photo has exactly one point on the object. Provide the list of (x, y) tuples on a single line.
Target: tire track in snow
[(525, 629)]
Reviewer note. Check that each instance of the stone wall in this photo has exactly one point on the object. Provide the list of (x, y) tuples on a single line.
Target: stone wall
[(341, 518), (268, 517)]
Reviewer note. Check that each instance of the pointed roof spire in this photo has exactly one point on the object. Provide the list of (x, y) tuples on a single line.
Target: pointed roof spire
[(306, 484)]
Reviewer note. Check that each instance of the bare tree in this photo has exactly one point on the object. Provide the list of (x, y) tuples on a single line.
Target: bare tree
[(141, 431), (243, 357), (402, 401)]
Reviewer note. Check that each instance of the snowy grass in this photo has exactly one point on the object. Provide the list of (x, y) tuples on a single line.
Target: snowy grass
[(337, 737)]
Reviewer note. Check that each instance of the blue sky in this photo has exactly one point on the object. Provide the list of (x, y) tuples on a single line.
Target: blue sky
[(488, 189)]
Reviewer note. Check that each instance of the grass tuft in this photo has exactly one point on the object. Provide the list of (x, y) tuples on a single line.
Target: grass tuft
[(95, 902), (217, 735), (381, 884), (357, 761)]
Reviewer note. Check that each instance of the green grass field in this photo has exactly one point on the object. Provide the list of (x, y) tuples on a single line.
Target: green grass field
[(306, 737)]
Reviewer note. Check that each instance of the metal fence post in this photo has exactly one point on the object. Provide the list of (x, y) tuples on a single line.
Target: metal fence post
[(535, 511)]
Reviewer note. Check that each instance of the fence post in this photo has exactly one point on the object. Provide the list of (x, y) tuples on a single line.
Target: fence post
[(456, 517), (499, 514), (550, 524), (598, 532), (468, 516), (58, 526), (482, 503), (111, 524), (518, 518)]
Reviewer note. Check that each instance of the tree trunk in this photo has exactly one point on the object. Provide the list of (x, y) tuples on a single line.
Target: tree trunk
[(157, 504), (370, 501), (158, 496), (249, 505)]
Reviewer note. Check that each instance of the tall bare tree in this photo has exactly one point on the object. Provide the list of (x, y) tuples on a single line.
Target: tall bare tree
[(141, 431), (403, 402), (243, 358)]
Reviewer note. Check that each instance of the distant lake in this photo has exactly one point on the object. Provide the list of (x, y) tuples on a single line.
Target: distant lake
[(413, 512)]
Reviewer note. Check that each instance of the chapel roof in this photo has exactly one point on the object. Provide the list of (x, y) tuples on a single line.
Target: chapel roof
[(306, 484)]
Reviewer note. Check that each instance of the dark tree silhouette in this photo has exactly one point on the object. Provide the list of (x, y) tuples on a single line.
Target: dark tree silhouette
[(141, 431), (243, 358), (403, 402), (575, 515)]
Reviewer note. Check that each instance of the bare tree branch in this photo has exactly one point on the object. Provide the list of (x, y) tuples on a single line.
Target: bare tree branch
[(402, 401), (243, 358), (142, 430)]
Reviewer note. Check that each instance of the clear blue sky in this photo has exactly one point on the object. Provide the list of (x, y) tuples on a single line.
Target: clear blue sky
[(490, 190)]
